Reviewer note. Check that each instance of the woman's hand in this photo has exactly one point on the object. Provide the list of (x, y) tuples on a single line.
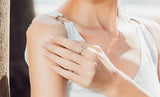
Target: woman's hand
[(91, 69)]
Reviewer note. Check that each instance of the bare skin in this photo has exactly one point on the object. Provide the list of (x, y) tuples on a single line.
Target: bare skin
[(125, 44), (90, 23)]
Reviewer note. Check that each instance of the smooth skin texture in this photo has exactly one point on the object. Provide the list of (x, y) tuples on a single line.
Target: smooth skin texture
[(87, 69), (45, 83)]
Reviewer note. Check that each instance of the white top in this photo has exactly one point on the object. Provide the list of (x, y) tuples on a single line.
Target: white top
[(147, 76)]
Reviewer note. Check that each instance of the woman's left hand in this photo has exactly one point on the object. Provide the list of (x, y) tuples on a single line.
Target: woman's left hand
[(91, 69)]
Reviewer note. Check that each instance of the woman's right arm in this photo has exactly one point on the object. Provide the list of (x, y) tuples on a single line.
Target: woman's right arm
[(44, 82)]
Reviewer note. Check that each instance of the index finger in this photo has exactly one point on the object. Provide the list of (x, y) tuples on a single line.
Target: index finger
[(68, 43)]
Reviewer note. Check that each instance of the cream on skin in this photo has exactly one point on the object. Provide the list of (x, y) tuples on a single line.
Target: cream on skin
[(89, 75), (88, 67)]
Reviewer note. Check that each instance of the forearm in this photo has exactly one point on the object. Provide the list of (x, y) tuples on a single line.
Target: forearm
[(128, 89), (125, 87)]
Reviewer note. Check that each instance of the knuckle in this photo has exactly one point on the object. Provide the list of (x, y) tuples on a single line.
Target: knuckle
[(54, 49), (54, 58), (71, 77), (74, 44), (59, 40), (70, 65), (67, 64), (68, 54), (94, 66)]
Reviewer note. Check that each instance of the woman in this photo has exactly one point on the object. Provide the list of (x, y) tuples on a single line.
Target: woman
[(107, 53)]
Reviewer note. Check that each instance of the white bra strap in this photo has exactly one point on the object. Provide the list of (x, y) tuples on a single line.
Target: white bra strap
[(57, 16)]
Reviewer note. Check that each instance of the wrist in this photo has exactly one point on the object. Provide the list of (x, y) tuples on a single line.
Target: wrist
[(123, 86), (116, 86)]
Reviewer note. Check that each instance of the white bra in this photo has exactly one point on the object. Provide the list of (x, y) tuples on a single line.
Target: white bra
[(147, 76)]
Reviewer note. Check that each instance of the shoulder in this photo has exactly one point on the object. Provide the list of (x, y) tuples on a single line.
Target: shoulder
[(154, 28), (45, 26), (40, 30)]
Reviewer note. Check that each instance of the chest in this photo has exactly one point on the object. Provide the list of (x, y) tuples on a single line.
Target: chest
[(124, 53)]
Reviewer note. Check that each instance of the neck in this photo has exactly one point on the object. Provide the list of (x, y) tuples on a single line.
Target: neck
[(93, 13)]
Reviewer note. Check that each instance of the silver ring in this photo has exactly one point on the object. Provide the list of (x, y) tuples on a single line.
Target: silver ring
[(71, 71), (82, 48)]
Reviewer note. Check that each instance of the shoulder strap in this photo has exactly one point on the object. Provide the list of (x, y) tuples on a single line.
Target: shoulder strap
[(72, 31), (149, 39), (147, 36), (58, 17), (151, 42)]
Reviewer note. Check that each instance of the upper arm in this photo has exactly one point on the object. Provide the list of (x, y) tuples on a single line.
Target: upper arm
[(154, 28), (44, 82)]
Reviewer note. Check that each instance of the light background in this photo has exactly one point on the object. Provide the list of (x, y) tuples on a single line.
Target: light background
[(143, 8)]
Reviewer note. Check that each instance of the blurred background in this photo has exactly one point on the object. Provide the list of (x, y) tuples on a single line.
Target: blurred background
[(22, 13)]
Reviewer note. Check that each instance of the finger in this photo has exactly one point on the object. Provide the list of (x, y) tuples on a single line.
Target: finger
[(69, 65), (66, 74), (66, 64), (68, 43), (66, 54)]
